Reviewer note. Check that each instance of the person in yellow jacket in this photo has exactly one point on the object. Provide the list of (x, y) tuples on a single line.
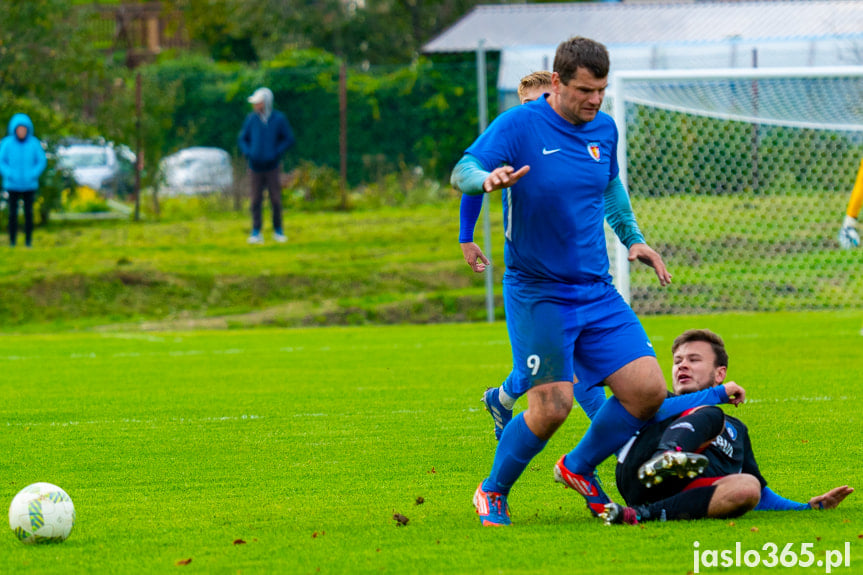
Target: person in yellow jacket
[(848, 236)]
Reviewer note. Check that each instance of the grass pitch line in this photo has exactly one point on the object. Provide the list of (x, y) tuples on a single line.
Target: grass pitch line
[(802, 399), (170, 420)]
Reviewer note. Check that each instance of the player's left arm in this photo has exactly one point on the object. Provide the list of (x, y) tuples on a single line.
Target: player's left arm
[(618, 214), (647, 255)]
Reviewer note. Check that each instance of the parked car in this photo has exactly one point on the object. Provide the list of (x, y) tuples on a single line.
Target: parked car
[(196, 170), (103, 166)]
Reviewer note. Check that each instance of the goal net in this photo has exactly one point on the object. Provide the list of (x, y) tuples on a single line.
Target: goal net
[(739, 178)]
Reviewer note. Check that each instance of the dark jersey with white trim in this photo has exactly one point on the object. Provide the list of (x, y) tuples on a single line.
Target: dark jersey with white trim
[(730, 452)]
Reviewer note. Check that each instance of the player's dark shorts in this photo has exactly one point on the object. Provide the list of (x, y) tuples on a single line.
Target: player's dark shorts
[(626, 473), (559, 330)]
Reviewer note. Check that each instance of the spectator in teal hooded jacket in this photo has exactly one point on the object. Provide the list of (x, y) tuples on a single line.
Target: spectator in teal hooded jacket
[(22, 161)]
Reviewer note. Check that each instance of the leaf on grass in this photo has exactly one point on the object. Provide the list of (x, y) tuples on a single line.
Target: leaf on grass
[(420, 501), (401, 519), (731, 524), (432, 470), (184, 561), (314, 535), (754, 529), (239, 542), (804, 441)]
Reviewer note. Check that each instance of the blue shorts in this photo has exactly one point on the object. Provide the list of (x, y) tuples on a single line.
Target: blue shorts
[(559, 330)]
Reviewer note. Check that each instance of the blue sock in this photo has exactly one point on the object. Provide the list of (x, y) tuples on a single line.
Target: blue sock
[(610, 429), (517, 446), (589, 398)]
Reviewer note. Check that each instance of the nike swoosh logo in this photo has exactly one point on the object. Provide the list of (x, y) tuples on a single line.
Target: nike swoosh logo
[(546, 152)]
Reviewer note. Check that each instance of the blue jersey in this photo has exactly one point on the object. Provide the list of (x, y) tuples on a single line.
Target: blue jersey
[(553, 216)]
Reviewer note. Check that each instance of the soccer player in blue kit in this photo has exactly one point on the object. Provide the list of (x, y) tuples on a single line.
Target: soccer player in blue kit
[(499, 401), (558, 156)]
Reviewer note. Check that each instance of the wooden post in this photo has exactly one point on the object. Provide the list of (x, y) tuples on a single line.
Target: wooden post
[(139, 152)]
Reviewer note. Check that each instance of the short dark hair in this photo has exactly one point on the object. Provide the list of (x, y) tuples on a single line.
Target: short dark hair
[(579, 52), (706, 336)]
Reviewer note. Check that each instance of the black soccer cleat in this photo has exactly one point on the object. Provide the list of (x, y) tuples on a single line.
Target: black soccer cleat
[(680, 464)]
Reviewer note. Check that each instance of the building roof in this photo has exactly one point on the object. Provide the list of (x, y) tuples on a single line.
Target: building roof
[(524, 25)]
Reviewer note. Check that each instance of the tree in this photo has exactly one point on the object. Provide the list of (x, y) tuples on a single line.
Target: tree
[(45, 55), (361, 31)]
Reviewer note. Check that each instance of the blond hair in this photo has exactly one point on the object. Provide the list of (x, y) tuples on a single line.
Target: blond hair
[(540, 79)]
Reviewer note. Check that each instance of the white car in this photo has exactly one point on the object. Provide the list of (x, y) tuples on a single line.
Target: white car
[(104, 167), (195, 171)]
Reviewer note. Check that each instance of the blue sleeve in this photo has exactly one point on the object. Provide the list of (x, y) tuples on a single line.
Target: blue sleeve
[(771, 501), (469, 210), (4, 162), (41, 161), (468, 176), (590, 399), (243, 138), (286, 136), (618, 213), (677, 404)]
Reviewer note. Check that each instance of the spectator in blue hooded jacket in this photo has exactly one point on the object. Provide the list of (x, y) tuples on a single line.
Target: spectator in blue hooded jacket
[(22, 161), (265, 137)]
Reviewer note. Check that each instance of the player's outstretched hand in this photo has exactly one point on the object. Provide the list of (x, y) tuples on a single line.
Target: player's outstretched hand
[(646, 255), (474, 257), (831, 499), (503, 177), (736, 394)]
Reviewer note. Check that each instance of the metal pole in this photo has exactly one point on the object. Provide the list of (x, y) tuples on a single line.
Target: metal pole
[(482, 97), (621, 255)]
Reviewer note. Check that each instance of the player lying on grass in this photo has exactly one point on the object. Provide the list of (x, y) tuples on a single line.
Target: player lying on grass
[(700, 464)]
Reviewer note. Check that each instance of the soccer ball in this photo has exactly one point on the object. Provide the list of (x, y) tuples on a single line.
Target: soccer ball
[(42, 513)]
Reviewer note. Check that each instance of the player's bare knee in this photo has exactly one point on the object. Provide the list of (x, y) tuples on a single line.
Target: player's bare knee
[(551, 404), (752, 490), (746, 492)]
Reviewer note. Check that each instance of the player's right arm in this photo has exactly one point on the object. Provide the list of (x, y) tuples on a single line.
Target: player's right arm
[(469, 210), (469, 177)]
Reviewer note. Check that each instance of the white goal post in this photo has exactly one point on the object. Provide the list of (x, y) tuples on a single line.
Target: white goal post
[(757, 137)]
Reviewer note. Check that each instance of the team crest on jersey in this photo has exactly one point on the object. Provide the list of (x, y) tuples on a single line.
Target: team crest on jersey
[(593, 150), (732, 432)]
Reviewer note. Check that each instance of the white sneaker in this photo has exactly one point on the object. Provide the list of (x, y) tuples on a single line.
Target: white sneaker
[(255, 239), (281, 238)]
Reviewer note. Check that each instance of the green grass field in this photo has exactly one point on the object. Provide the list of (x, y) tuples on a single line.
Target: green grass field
[(303, 443), (403, 265)]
